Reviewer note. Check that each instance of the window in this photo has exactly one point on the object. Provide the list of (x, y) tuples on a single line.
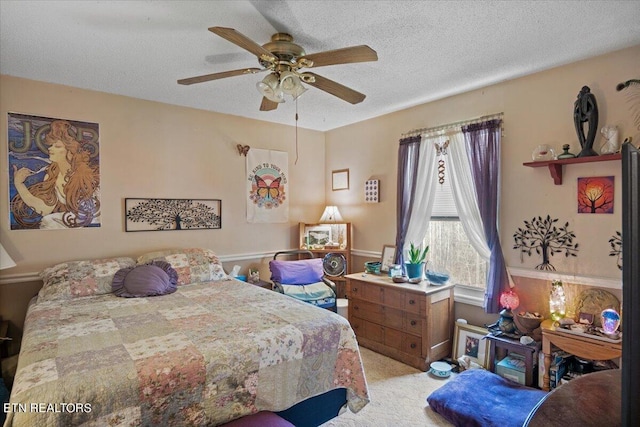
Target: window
[(449, 247)]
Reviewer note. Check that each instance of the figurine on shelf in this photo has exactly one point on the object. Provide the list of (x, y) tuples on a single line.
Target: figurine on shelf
[(585, 111)]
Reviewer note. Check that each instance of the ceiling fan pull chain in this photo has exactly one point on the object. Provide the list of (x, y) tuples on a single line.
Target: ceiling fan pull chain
[(296, 162)]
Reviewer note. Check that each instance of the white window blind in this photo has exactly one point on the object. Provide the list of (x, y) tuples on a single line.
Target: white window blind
[(443, 205)]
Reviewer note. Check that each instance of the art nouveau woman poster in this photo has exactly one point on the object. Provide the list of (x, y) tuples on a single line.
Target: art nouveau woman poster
[(54, 173)]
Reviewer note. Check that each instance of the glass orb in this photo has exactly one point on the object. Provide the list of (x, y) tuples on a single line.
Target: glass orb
[(610, 320), (509, 300)]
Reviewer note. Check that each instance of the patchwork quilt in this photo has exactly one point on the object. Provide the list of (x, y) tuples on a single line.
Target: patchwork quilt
[(204, 355)]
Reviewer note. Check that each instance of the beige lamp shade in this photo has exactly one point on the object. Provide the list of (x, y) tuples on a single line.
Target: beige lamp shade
[(5, 259), (331, 214)]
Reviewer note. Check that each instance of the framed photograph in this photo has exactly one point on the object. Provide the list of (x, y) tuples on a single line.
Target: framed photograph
[(317, 236), (340, 179), (585, 318), (388, 257), (468, 341), (172, 214)]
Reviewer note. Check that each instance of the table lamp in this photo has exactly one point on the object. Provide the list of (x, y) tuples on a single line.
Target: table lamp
[(331, 214), (557, 300), (509, 300)]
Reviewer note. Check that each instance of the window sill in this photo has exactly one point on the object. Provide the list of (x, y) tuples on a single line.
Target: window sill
[(468, 295)]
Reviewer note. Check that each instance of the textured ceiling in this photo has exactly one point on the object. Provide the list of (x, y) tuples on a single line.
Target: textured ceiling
[(426, 49)]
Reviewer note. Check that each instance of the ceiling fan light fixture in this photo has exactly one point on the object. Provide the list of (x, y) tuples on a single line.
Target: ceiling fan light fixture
[(270, 88), (299, 90), (290, 84)]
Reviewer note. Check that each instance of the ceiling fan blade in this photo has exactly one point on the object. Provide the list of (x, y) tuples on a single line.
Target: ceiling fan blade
[(268, 105), (335, 89), (244, 42), (216, 76), (347, 55)]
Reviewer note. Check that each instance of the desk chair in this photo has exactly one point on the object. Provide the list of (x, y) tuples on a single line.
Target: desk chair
[(303, 279)]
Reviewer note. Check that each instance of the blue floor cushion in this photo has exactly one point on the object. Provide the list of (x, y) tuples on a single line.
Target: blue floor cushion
[(481, 398)]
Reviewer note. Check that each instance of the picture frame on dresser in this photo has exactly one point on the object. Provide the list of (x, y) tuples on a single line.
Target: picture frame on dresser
[(468, 341), (388, 258)]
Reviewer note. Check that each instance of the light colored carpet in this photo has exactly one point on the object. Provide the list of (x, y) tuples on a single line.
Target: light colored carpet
[(398, 394)]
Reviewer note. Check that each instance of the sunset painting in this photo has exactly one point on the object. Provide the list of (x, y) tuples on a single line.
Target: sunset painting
[(595, 194)]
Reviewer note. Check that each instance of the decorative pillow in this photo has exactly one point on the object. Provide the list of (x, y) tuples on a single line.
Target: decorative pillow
[(481, 398), (299, 272), (76, 279), (192, 265), (156, 278)]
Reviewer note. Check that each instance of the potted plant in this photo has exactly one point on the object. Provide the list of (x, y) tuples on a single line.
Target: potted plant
[(415, 261)]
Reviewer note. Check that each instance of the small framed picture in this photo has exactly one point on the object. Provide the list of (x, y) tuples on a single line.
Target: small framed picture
[(317, 236), (388, 257), (585, 318), (340, 179), (468, 341)]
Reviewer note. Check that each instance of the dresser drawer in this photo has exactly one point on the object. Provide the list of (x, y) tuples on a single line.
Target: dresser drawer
[(366, 329), (412, 344), (372, 293), (393, 318), (403, 342), (355, 289), (412, 323), (412, 302), (366, 310), (394, 298)]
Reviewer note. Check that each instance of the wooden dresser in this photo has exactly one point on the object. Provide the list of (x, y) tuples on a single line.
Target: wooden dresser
[(409, 323)]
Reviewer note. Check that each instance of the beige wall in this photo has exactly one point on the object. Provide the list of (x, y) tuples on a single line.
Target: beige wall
[(149, 149), (155, 150), (537, 109)]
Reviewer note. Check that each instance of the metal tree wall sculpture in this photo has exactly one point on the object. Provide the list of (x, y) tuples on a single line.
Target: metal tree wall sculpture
[(616, 248), (543, 236), (172, 214)]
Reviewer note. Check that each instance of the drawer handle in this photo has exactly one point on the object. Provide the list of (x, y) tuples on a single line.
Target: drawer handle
[(355, 289), (411, 302), (413, 345), (413, 323)]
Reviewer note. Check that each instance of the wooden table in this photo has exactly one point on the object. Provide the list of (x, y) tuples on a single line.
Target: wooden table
[(582, 346), (590, 400), (513, 345)]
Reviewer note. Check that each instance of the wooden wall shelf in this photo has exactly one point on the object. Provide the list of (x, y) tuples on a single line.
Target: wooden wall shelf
[(555, 166)]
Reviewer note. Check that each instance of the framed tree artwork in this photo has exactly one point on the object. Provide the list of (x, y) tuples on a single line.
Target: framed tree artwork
[(172, 214)]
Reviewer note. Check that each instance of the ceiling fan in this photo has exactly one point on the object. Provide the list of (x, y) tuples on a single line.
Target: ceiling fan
[(287, 62)]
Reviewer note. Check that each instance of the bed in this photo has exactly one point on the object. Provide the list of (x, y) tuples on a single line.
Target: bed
[(213, 350)]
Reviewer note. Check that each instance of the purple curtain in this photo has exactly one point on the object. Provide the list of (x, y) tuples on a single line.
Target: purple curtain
[(408, 154), (483, 149)]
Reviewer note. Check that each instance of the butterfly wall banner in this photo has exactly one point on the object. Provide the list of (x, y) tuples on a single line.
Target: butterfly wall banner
[(267, 186)]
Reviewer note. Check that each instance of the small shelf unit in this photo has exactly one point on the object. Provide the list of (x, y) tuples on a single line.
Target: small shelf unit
[(555, 166)]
